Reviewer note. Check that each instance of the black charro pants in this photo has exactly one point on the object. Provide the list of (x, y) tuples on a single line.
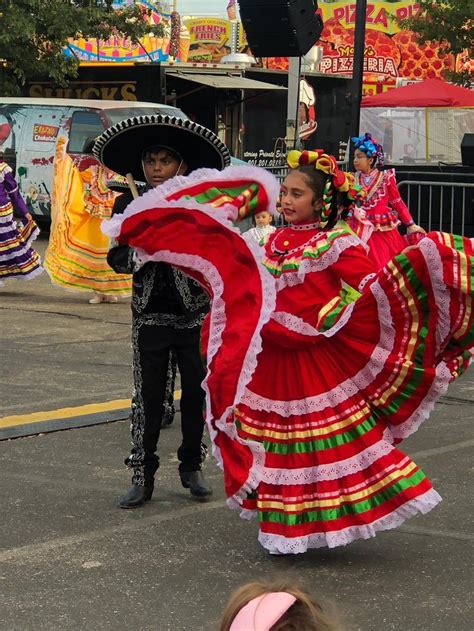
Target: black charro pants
[(152, 345)]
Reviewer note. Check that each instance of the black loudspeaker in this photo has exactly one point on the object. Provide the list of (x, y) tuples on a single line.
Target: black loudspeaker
[(467, 150), (280, 28)]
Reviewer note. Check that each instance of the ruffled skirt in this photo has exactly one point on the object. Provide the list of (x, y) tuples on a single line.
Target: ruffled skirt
[(17, 258), (331, 472)]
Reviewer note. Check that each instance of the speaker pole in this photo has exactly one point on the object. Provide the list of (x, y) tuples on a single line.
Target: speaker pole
[(358, 70), (293, 102)]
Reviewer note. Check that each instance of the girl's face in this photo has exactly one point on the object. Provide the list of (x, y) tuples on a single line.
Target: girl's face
[(297, 199), (362, 162), (263, 219)]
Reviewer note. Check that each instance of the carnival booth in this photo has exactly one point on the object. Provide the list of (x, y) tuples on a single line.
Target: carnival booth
[(421, 123)]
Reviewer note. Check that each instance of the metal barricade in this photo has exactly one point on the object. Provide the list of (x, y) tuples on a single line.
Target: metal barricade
[(446, 206), (279, 172)]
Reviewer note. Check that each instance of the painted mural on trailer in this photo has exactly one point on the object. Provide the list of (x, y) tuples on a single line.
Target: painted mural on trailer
[(28, 138), (27, 144)]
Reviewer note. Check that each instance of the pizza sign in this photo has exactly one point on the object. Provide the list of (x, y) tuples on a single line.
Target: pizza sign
[(389, 52), (343, 62), (383, 16)]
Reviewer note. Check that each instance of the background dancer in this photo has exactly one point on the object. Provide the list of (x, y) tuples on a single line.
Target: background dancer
[(76, 257), (17, 257), (382, 209), (168, 308)]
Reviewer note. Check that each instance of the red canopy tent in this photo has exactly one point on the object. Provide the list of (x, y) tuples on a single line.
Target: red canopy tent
[(429, 93)]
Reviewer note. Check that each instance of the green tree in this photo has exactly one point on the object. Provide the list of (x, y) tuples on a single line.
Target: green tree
[(450, 22), (34, 34)]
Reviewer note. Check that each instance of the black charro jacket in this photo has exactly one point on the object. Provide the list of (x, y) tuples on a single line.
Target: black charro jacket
[(161, 294)]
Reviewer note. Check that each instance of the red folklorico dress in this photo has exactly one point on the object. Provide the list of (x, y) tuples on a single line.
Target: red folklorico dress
[(317, 366), (386, 210)]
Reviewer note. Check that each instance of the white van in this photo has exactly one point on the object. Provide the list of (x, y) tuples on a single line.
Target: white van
[(29, 129)]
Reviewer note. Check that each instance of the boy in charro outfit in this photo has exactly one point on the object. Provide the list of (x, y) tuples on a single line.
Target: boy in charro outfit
[(168, 307)]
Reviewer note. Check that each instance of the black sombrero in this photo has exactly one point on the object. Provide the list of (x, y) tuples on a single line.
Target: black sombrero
[(121, 146), (118, 184)]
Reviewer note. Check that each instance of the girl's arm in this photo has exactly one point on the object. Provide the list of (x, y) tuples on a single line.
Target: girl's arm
[(14, 194), (397, 203)]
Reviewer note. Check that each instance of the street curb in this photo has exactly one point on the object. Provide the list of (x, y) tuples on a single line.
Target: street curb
[(74, 422)]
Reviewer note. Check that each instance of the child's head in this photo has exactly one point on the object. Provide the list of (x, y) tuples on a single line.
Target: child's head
[(315, 189), (278, 606), (263, 219), (363, 162), (368, 153), (161, 164)]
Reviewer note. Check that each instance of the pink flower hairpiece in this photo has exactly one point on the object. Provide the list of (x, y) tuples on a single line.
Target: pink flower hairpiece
[(261, 613)]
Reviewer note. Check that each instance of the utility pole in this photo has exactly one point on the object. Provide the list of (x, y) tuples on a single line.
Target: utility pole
[(293, 103), (358, 69)]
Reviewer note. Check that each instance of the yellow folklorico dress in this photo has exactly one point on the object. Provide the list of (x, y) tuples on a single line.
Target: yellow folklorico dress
[(76, 257)]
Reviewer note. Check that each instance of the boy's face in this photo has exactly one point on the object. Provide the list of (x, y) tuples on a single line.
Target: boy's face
[(263, 219), (160, 166)]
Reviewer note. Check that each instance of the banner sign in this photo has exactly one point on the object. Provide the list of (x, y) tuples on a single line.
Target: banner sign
[(381, 16), (210, 39), (122, 49), (390, 53)]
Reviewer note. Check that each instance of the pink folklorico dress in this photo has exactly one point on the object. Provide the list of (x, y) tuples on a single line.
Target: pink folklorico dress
[(385, 212)]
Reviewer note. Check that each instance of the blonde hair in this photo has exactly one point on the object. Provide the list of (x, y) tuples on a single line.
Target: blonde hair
[(304, 615)]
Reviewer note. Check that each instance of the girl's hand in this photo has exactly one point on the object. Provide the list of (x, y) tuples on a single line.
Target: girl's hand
[(415, 228), (360, 215), (29, 217)]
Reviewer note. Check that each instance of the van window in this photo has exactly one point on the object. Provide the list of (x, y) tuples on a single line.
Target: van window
[(84, 125)]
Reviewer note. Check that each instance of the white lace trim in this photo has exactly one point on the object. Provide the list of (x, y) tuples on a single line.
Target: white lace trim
[(441, 293), (333, 471), (366, 280), (28, 276), (297, 325), (438, 388), (307, 265), (278, 543), (343, 488), (23, 248), (9, 226)]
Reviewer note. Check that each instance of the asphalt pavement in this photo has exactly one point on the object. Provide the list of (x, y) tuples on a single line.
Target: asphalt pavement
[(70, 559)]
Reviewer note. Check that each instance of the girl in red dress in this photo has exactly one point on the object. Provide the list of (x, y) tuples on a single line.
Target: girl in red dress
[(383, 210), (317, 366)]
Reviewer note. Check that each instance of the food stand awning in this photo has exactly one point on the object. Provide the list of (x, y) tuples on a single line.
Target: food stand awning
[(227, 82), (429, 93)]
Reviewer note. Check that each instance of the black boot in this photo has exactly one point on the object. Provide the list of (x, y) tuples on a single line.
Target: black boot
[(137, 496), (194, 481)]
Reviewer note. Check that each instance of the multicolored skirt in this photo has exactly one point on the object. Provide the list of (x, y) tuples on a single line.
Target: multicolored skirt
[(17, 258)]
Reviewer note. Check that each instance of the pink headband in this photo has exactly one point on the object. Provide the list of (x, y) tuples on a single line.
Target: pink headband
[(261, 613)]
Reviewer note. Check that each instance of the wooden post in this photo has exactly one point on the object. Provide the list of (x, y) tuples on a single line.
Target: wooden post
[(132, 185)]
